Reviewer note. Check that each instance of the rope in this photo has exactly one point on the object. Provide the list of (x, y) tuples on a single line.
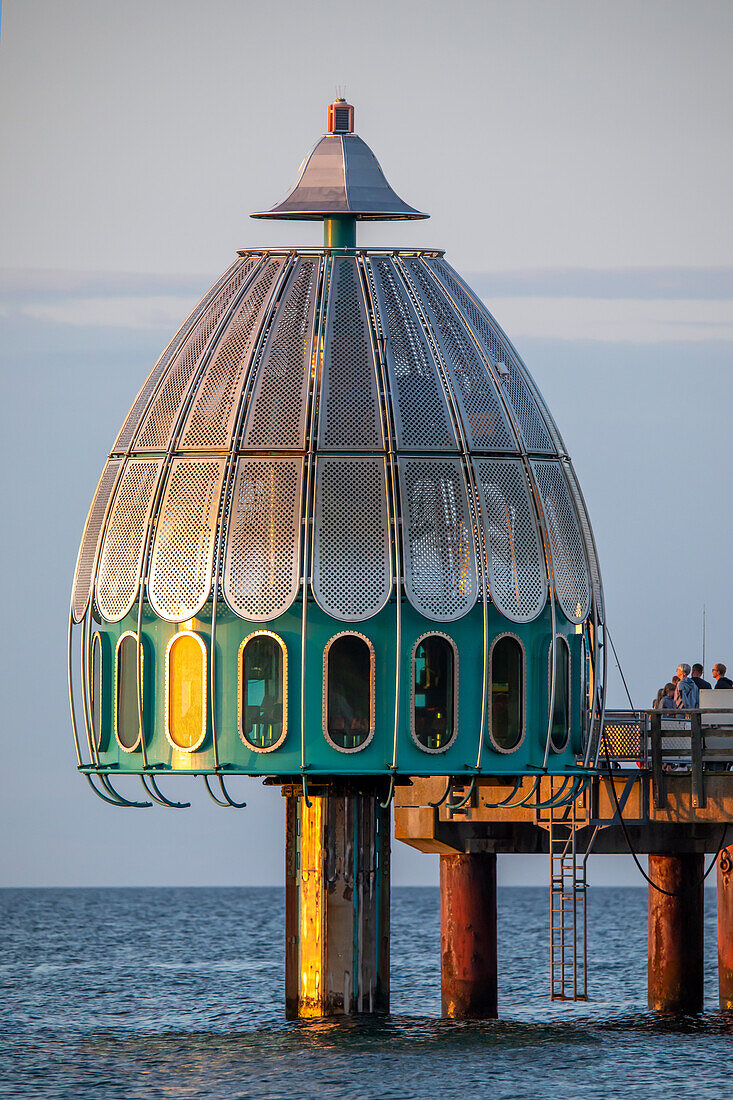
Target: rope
[(627, 838)]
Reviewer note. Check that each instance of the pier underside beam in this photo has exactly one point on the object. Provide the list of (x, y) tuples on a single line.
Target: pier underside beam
[(468, 971), (337, 856), (676, 933), (725, 929)]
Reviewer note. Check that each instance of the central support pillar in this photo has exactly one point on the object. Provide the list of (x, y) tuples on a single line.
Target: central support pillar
[(337, 902), (676, 933), (468, 985), (725, 929)]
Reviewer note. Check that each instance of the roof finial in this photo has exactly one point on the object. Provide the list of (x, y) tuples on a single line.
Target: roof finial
[(340, 117)]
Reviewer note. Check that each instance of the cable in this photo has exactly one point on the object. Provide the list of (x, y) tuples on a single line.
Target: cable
[(618, 666), (627, 838)]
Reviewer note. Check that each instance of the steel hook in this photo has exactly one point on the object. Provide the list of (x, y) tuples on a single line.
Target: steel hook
[(212, 796), (230, 800), (444, 795), (386, 804), (464, 801), (157, 795), (113, 797)]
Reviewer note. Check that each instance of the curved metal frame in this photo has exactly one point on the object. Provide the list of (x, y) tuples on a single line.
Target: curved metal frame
[(520, 643), (454, 647), (96, 643), (389, 434), (113, 797), (70, 682), (240, 688), (229, 481), (552, 652), (140, 684), (175, 638), (372, 707), (157, 795), (473, 497), (307, 509)]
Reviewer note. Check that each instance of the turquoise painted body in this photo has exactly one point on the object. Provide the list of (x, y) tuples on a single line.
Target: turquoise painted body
[(320, 756), (339, 232)]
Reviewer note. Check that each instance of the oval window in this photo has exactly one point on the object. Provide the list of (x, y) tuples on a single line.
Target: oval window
[(186, 691), (507, 692), (95, 688), (349, 691), (262, 691), (433, 691), (560, 730), (127, 715)]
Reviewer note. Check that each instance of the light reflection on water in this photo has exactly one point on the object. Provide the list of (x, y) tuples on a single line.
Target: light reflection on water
[(178, 993)]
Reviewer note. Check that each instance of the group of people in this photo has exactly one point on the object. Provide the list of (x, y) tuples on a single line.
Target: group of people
[(683, 692)]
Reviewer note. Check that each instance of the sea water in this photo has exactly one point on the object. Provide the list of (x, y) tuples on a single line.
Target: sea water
[(147, 993)]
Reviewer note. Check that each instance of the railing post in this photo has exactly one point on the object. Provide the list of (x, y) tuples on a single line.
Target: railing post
[(660, 797), (697, 780)]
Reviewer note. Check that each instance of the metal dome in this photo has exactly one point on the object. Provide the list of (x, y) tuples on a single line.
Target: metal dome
[(333, 431), (350, 396)]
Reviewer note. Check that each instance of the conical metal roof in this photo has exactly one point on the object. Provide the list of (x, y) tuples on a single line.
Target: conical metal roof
[(341, 177)]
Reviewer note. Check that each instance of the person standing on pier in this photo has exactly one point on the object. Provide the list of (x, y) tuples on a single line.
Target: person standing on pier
[(686, 695), (719, 675), (697, 676)]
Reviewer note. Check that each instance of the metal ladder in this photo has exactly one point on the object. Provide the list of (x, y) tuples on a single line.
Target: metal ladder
[(568, 886)]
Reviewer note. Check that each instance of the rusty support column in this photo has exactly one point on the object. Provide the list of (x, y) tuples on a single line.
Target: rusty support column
[(725, 929), (676, 933), (468, 972), (336, 902)]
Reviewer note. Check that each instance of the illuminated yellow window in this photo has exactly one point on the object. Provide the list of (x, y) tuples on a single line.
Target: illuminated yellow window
[(185, 702), (127, 712)]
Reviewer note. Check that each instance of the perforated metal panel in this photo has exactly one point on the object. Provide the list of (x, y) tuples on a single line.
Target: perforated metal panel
[(624, 737), (118, 576), (140, 403), (210, 422), (440, 565), (279, 404), (422, 420), (568, 558), (484, 420), (517, 575), (590, 545), (352, 573), (350, 417), (261, 573), (183, 552), (90, 540), (160, 420), (496, 347)]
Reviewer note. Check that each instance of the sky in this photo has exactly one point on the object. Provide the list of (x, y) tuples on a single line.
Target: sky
[(576, 162)]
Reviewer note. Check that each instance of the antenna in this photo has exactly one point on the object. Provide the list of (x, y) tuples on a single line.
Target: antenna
[(703, 636)]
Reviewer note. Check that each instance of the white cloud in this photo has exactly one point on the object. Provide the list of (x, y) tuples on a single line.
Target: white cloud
[(165, 311), (615, 320)]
